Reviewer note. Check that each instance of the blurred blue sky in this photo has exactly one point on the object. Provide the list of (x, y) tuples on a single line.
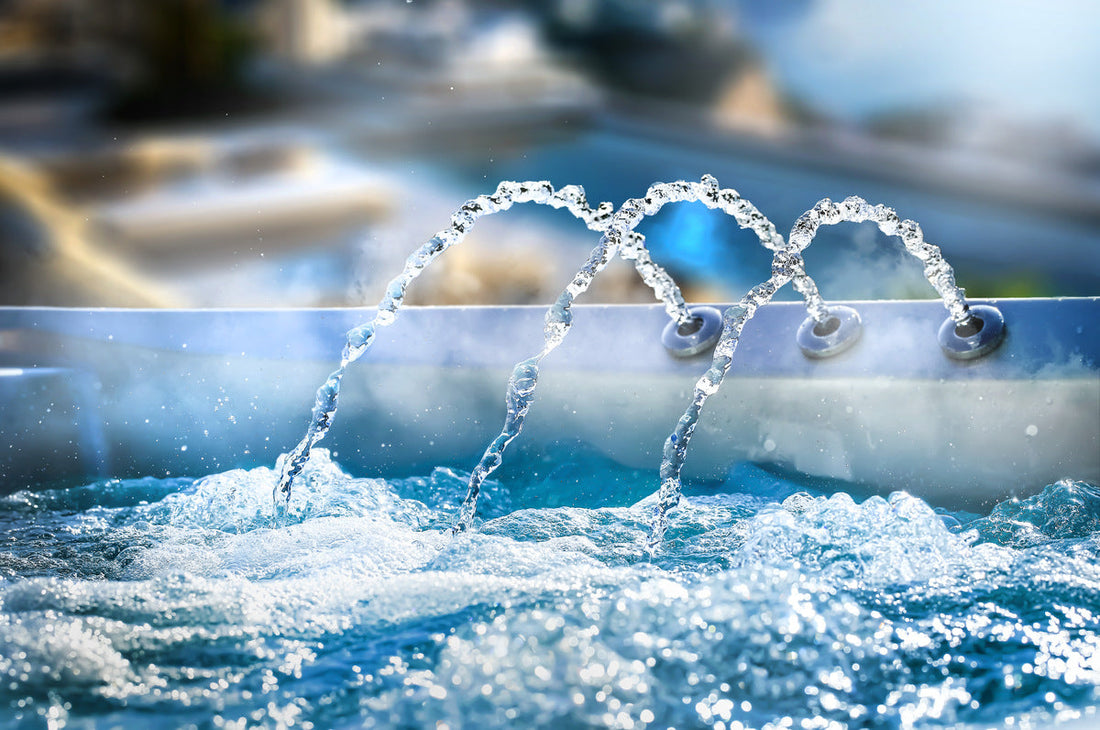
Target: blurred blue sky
[(1030, 61)]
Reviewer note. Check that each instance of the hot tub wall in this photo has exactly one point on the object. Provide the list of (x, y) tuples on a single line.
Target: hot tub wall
[(125, 393)]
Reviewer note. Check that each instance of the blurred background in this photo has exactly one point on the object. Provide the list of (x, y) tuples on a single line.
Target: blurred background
[(277, 153)]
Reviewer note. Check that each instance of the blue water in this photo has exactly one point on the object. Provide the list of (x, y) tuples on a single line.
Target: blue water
[(178, 602)]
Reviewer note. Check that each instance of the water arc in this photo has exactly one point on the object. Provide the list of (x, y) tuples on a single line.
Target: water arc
[(835, 328), (621, 239), (855, 209), (359, 339), (824, 333)]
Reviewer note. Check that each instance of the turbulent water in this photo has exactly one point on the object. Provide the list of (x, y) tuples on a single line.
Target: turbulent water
[(178, 602)]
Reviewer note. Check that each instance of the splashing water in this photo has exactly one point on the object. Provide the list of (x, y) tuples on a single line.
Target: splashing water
[(175, 599)]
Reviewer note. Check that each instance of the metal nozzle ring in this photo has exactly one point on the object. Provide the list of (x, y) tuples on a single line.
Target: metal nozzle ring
[(686, 340), (979, 335), (840, 331)]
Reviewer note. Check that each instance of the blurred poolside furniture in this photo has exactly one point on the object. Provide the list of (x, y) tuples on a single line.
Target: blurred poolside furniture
[(47, 255), (133, 224), (304, 192)]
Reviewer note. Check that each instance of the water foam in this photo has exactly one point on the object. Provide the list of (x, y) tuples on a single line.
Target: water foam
[(361, 609)]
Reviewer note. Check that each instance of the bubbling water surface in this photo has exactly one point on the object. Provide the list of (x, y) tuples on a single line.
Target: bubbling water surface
[(124, 601)]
